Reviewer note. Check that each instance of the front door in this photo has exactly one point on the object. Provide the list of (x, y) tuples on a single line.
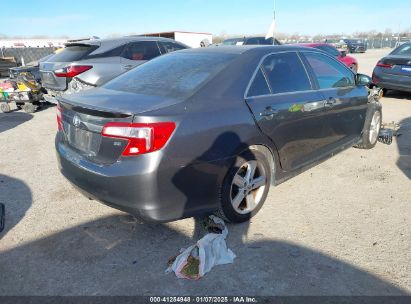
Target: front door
[(345, 102)]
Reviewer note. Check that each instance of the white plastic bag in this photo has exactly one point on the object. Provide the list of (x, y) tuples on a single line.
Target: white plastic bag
[(209, 251)]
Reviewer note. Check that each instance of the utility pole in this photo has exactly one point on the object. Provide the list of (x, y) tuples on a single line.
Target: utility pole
[(274, 22)]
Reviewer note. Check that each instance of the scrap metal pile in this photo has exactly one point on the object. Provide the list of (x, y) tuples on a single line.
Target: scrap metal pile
[(24, 91)]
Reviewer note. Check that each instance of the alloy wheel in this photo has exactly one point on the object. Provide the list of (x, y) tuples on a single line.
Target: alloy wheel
[(247, 187)]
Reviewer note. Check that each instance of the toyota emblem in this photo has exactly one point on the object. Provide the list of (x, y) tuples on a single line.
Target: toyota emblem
[(76, 121)]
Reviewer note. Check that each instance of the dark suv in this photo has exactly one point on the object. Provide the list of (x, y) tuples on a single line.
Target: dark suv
[(356, 45), (251, 41), (90, 63)]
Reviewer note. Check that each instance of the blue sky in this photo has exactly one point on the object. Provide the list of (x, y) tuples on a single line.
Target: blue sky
[(104, 18)]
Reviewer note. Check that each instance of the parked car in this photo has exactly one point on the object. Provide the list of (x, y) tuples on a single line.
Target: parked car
[(32, 67), (393, 72), (356, 45), (349, 61), (209, 130), (5, 64), (90, 63), (339, 44), (251, 41)]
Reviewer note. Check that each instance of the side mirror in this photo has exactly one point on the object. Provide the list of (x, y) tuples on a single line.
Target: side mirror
[(363, 80), (343, 53)]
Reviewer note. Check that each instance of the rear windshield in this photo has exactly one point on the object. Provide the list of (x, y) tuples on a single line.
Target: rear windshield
[(233, 41), (176, 75), (404, 49), (73, 53)]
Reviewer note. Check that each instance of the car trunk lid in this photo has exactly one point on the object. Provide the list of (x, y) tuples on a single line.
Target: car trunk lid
[(73, 52), (400, 65), (84, 115)]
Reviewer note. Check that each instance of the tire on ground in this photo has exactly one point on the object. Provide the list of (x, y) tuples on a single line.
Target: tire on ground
[(29, 108), (4, 107), (365, 142)]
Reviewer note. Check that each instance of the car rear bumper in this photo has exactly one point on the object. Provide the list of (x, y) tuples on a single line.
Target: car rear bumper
[(392, 82), (145, 186)]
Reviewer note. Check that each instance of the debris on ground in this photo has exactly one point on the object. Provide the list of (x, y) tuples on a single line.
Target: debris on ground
[(24, 91), (388, 131), (195, 261)]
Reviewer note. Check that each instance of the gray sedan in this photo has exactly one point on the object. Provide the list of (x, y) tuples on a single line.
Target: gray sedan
[(209, 130)]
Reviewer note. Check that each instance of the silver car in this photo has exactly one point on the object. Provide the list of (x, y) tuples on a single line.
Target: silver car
[(86, 64)]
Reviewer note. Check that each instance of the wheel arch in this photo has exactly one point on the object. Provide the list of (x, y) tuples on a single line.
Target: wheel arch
[(271, 157)]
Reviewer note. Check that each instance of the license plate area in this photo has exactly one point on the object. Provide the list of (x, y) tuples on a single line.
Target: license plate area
[(83, 140), (47, 77)]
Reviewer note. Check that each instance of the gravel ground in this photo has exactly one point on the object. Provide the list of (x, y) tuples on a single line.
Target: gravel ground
[(341, 228)]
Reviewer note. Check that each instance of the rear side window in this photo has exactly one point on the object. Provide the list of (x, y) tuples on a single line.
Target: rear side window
[(285, 73), (259, 86), (142, 50), (73, 53), (404, 49), (329, 72), (169, 47), (175, 75), (259, 41)]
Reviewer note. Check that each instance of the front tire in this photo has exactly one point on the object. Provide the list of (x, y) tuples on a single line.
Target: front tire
[(372, 128), (245, 187)]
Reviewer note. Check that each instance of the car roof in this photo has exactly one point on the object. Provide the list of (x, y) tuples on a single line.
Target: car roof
[(110, 43), (120, 40), (313, 44), (241, 49)]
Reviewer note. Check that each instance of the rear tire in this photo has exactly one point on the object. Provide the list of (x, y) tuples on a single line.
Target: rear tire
[(29, 108), (4, 107), (245, 187), (372, 128)]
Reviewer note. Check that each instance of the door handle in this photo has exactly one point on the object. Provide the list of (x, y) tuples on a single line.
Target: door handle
[(269, 113), (330, 102)]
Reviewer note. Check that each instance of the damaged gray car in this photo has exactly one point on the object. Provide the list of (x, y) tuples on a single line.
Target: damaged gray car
[(90, 63)]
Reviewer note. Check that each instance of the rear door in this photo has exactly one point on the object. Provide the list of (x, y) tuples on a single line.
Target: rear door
[(136, 53), (345, 102), (288, 110), (72, 52)]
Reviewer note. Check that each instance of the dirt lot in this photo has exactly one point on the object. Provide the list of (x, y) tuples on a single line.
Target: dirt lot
[(341, 228)]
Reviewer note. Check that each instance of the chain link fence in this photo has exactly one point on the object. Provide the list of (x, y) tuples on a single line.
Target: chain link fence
[(26, 54)]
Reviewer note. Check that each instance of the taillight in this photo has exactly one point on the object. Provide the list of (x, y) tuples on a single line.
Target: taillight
[(374, 79), (72, 70), (59, 117), (142, 137), (381, 64)]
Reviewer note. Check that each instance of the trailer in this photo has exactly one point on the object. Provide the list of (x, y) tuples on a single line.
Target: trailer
[(192, 39)]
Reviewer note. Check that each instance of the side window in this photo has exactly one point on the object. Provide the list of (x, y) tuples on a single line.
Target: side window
[(252, 41), (142, 50), (329, 72), (169, 47), (259, 86), (285, 73)]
